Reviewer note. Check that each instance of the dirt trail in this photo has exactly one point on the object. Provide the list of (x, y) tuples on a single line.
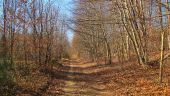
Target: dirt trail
[(79, 79)]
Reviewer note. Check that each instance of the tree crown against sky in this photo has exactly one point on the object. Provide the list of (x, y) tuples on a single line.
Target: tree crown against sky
[(65, 8)]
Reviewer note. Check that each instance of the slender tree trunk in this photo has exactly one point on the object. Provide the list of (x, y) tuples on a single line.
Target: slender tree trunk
[(162, 43), (4, 32)]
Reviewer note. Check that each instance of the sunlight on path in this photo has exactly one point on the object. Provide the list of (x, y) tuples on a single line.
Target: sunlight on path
[(81, 83), (73, 88)]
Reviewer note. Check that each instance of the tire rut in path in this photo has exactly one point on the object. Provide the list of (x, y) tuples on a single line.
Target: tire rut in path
[(77, 83)]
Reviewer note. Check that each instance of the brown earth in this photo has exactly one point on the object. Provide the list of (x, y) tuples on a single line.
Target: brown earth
[(89, 79), (81, 78)]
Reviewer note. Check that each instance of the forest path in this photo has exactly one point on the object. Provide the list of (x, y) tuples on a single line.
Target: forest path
[(79, 79)]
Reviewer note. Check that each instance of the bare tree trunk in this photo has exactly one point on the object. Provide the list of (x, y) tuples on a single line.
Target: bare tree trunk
[(4, 31), (162, 43)]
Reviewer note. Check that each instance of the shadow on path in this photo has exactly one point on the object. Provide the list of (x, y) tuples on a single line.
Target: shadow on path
[(76, 83)]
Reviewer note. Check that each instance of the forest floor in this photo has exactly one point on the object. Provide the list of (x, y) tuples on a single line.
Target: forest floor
[(90, 79), (80, 78)]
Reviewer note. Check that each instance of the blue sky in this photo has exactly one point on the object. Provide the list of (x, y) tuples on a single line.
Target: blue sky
[(65, 9)]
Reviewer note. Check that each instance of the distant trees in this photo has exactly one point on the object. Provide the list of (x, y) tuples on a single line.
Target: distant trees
[(122, 29), (93, 35), (33, 32), (118, 28)]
